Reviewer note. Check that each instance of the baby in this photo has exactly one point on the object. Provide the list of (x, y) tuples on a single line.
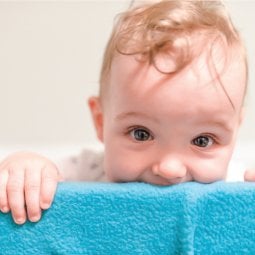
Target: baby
[(172, 87)]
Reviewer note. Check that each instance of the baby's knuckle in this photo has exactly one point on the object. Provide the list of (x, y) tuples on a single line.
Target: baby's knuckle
[(49, 178), (31, 186), (17, 208), (34, 163), (14, 168), (51, 175), (14, 186)]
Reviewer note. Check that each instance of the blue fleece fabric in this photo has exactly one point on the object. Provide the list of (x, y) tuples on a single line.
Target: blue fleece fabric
[(137, 218)]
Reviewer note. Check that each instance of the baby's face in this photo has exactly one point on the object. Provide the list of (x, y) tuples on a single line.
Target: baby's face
[(166, 130)]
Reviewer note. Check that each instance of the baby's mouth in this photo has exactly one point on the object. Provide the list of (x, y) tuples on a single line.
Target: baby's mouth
[(174, 181), (169, 182)]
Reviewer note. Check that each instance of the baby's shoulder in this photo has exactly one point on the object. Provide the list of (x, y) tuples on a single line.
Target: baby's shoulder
[(85, 166)]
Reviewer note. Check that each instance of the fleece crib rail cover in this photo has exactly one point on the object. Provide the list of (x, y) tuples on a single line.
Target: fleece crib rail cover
[(137, 218)]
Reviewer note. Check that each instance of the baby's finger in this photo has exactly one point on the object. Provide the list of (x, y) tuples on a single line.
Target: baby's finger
[(15, 194), (48, 186), (249, 175), (32, 193), (4, 206)]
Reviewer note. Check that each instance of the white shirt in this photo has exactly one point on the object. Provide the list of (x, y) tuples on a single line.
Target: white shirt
[(87, 166)]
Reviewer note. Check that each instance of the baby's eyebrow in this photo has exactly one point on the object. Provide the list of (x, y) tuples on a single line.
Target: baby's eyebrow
[(223, 124), (125, 115), (218, 123)]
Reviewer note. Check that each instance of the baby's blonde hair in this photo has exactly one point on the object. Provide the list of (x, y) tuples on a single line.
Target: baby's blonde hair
[(155, 27)]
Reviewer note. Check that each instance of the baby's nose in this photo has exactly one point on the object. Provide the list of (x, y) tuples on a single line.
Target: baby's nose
[(170, 168)]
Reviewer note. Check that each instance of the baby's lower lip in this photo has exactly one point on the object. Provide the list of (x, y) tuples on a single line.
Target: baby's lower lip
[(173, 181)]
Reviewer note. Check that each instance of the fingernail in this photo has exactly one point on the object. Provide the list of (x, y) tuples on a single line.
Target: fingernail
[(20, 220), (35, 218), (45, 206), (5, 209)]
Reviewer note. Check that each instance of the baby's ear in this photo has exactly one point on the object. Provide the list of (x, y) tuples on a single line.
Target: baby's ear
[(97, 115)]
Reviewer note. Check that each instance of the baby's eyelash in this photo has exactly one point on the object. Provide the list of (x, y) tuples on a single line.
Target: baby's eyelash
[(212, 136), (131, 128), (204, 141), (139, 133)]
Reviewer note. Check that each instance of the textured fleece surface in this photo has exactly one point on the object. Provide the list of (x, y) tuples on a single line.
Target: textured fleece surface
[(137, 218)]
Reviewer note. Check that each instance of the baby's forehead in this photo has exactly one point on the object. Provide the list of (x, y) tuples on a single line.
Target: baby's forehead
[(209, 63), (212, 66)]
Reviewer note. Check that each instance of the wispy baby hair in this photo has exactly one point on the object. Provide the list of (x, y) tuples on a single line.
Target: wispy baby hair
[(152, 28)]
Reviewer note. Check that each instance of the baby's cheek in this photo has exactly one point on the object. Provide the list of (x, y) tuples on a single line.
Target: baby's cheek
[(122, 168), (210, 171)]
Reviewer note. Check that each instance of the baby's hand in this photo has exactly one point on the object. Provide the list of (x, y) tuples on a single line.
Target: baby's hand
[(28, 183), (249, 175)]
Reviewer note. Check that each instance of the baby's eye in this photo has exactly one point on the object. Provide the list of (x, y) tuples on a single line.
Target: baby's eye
[(203, 141), (140, 134)]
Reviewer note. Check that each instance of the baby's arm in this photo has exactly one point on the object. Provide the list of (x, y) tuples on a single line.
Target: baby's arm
[(28, 183)]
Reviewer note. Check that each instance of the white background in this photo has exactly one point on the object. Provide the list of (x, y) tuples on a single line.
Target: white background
[(50, 58)]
